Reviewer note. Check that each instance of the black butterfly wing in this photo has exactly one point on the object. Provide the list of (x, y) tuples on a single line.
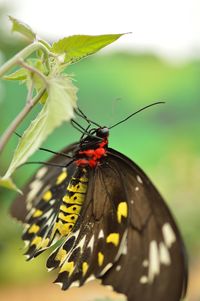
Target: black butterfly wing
[(44, 177), (40, 203), (153, 264), (99, 234)]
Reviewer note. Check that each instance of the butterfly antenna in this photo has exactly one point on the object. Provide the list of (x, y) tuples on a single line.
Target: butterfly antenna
[(142, 109), (46, 163), (78, 127), (80, 113), (48, 150)]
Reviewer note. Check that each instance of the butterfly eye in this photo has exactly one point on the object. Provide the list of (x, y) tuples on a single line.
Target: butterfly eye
[(102, 132)]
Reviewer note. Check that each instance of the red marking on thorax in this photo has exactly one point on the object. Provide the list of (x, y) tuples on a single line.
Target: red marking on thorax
[(92, 156)]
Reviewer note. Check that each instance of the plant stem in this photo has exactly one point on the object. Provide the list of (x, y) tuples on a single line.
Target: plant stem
[(21, 55), (10, 130), (34, 70)]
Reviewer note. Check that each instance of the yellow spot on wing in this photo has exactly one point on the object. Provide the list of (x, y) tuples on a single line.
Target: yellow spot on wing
[(122, 210), (84, 267), (47, 196), (100, 258), (63, 229), (61, 177), (61, 255), (37, 241), (113, 238), (67, 267), (45, 243), (37, 213), (33, 229)]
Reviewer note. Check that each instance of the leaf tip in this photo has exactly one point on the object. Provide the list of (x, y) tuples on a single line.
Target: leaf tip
[(9, 184)]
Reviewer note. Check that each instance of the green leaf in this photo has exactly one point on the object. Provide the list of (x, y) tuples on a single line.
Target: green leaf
[(58, 108), (79, 46), (22, 28), (20, 74), (8, 183)]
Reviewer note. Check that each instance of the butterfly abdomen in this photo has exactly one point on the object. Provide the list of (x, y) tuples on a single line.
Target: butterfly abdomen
[(72, 203)]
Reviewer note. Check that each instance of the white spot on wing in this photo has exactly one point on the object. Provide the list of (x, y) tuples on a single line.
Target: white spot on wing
[(75, 284), (154, 261), (52, 202), (50, 220), (164, 254), (145, 263), (168, 234), (82, 242), (132, 202), (123, 245), (75, 234), (27, 217), (101, 234), (124, 251), (48, 213), (35, 186), (106, 268), (91, 243), (41, 172), (92, 277), (118, 268), (26, 243), (59, 283), (144, 279), (139, 179), (136, 188)]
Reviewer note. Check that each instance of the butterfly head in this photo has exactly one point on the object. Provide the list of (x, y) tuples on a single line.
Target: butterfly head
[(102, 132)]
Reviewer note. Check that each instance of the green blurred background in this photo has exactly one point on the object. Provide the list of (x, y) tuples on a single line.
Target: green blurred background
[(163, 140)]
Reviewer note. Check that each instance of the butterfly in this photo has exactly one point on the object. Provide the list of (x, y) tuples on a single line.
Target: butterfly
[(108, 220)]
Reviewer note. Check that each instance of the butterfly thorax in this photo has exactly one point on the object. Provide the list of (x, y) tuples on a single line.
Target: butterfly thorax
[(93, 148)]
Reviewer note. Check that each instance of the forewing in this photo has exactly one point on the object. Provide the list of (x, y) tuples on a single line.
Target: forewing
[(152, 265), (42, 179), (41, 204)]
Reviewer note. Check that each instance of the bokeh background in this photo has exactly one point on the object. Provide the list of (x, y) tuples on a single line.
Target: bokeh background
[(159, 61)]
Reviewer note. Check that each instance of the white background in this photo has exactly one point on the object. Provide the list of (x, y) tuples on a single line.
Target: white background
[(170, 28)]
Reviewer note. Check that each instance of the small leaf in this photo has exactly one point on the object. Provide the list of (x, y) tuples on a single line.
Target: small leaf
[(20, 74), (79, 46), (58, 108), (8, 183), (22, 28)]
